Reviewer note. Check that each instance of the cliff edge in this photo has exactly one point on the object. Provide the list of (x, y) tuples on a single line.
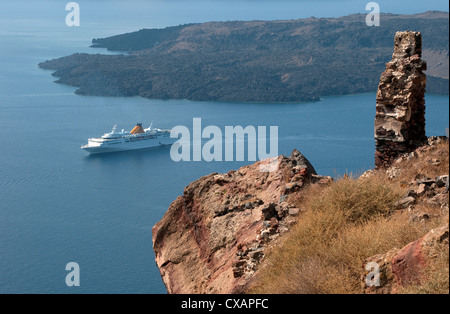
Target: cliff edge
[(213, 237)]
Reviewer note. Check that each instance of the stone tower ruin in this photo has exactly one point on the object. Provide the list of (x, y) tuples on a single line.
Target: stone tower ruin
[(400, 110)]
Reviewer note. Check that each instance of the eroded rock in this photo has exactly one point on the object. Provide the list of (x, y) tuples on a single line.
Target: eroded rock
[(212, 238), (402, 267)]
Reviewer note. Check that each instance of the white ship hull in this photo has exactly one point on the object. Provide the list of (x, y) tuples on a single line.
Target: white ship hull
[(93, 149), (116, 142)]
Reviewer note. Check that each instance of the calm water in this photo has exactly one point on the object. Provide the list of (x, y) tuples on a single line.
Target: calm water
[(58, 205)]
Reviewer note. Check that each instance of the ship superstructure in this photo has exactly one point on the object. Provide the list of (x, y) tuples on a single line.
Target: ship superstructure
[(137, 138)]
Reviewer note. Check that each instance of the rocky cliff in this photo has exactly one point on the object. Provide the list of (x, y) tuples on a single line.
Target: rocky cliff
[(221, 234), (426, 200), (213, 237)]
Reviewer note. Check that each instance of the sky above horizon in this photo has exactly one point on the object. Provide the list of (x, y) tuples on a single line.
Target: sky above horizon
[(119, 16), (276, 8)]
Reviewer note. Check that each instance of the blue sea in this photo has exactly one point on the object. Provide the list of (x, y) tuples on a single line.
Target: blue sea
[(59, 205)]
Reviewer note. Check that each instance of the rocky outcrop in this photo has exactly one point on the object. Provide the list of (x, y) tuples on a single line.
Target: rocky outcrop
[(426, 199), (213, 237), (432, 192), (407, 266), (400, 110)]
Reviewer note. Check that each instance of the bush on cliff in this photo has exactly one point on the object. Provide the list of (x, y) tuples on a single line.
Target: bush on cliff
[(346, 223)]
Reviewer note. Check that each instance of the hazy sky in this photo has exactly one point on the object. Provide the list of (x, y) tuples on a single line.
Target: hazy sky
[(129, 15), (225, 8)]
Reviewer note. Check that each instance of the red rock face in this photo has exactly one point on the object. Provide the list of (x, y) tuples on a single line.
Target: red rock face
[(400, 110), (408, 263), (406, 266), (212, 238)]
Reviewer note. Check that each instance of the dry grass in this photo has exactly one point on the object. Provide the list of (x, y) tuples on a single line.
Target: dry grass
[(344, 224), (359, 200), (305, 195), (422, 166)]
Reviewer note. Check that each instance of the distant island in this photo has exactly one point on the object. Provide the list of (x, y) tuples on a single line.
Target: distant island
[(256, 61)]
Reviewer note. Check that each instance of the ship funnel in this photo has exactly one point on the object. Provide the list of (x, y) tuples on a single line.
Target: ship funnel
[(137, 129)]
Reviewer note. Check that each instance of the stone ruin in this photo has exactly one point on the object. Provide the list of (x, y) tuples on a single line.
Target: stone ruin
[(400, 110)]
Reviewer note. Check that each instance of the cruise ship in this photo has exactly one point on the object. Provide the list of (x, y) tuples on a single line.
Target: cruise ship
[(137, 138)]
